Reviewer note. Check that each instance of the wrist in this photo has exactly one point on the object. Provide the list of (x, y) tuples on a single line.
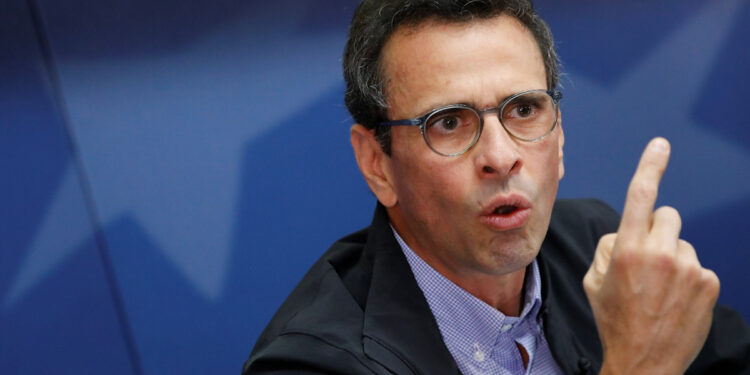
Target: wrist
[(607, 369), (614, 367)]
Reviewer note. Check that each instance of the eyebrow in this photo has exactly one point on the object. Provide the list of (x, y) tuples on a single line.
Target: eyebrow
[(469, 104), (433, 109)]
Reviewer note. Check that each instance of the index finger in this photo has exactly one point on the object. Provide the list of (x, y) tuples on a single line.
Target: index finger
[(643, 189)]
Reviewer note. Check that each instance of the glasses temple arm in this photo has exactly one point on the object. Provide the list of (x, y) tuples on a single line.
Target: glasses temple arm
[(412, 122)]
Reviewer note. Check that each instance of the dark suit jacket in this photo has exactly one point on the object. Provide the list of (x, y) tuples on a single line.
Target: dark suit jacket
[(359, 309)]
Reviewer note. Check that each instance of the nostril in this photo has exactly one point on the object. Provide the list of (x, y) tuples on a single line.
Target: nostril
[(488, 169)]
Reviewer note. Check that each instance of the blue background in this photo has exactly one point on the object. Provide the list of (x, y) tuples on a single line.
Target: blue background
[(169, 169)]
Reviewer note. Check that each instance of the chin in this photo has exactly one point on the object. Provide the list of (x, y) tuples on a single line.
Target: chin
[(511, 259)]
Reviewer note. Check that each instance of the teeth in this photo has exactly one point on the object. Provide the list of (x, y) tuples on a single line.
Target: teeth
[(502, 210)]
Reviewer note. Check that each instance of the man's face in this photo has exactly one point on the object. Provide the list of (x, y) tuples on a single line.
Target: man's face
[(445, 207)]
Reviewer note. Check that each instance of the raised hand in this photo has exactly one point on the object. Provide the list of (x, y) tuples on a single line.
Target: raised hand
[(652, 300)]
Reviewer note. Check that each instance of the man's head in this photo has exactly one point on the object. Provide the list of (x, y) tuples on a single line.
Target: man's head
[(375, 21), (486, 211)]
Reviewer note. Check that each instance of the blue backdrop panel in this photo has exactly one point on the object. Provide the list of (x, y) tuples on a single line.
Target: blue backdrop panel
[(215, 141), (56, 310), (217, 148)]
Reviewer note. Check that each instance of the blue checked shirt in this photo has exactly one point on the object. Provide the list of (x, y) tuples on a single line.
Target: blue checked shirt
[(481, 339)]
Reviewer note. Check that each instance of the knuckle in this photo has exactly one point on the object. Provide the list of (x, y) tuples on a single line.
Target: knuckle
[(668, 213), (626, 259), (591, 284), (628, 244), (711, 281), (607, 240), (642, 191), (693, 273), (686, 252), (685, 246), (652, 247), (665, 262), (588, 286)]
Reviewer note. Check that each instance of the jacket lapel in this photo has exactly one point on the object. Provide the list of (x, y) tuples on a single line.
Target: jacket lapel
[(399, 330), (564, 345)]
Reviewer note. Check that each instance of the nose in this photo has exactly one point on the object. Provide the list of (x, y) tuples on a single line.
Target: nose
[(496, 153)]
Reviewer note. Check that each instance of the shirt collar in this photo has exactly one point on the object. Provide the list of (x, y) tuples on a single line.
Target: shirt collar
[(464, 320)]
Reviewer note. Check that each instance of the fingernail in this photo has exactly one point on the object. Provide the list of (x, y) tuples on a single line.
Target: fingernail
[(660, 145)]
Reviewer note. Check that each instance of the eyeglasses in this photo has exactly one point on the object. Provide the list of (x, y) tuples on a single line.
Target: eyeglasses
[(454, 129)]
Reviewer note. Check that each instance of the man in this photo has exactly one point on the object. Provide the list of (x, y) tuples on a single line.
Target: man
[(467, 267)]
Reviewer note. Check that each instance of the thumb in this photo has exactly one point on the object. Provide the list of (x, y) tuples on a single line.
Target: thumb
[(595, 275)]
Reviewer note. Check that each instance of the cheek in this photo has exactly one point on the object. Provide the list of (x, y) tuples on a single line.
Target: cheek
[(549, 151), (441, 184), (552, 172), (430, 188), (543, 163)]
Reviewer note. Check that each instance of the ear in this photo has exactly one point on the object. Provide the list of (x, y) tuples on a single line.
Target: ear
[(561, 142), (374, 164)]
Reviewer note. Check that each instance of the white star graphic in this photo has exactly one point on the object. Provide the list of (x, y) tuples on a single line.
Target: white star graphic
[(655, 99), (162, 138)]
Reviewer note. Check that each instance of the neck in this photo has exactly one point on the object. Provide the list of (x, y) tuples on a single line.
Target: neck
[(503, 292)]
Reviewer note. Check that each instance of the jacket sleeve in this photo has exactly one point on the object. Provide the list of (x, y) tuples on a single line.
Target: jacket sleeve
[(300, 353), (727, 348)]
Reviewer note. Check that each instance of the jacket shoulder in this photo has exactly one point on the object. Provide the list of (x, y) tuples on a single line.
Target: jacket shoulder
[(577, 224), (299, 352), (318, 327), (596, 216), (727, 348)]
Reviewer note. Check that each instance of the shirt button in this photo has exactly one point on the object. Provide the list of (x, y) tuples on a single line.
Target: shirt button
[(478, 353), (506, 327)]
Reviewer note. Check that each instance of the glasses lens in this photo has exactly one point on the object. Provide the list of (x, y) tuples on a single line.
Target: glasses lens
[(530, 115), (452, 130)]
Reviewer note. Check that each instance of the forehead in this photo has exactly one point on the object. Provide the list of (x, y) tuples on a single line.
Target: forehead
[(478, 62)]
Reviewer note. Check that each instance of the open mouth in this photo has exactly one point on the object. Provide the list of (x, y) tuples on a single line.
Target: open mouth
[(506, 213), (506, 217), (505, 210)]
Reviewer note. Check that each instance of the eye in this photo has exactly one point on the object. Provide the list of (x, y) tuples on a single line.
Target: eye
[(521, 110), (524, 110), (529, 115), (447, 122), (451, 120), (452, 130)]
